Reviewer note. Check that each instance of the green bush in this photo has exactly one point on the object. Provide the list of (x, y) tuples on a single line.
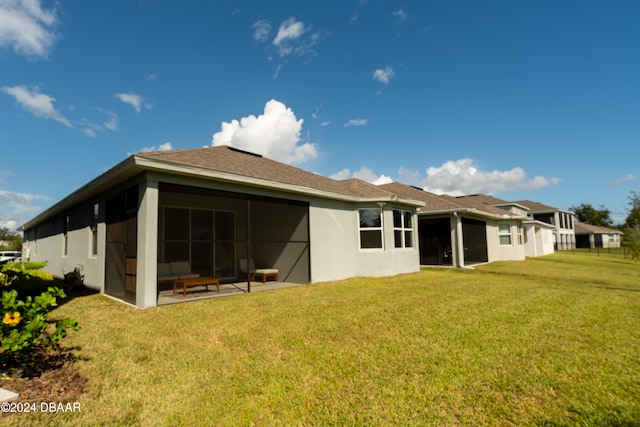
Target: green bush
[(26, 325)]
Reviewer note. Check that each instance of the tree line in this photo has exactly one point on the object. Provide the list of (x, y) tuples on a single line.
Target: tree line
[(601, 216)]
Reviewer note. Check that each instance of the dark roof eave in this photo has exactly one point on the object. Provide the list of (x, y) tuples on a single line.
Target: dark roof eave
[(119, 173)]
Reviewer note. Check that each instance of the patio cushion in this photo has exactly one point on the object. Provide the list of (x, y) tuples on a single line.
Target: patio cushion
[(183, 270), (268, 271), (164, 272), (248, 266)]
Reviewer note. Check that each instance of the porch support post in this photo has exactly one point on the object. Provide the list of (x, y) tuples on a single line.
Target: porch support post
[(147, 256), (249, 256), (458, 244)]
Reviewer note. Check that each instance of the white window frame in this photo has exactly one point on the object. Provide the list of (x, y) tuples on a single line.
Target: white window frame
[(504, 233), (403, 229), (379, 229), (520, 235)]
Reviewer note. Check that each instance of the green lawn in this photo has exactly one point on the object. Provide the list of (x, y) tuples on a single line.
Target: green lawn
[(548, 341)]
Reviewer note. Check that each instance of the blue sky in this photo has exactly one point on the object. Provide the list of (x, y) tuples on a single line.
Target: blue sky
[(535, 100)]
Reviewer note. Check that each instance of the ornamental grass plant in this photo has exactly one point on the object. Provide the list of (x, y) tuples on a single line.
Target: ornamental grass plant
[(547, 341)]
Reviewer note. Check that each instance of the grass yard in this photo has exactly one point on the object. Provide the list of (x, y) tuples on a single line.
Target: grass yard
[(548, 341)]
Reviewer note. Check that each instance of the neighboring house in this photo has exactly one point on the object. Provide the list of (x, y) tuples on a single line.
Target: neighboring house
[(562, 221), (594, 236), (538, 235), (214, 206), (464, 231)]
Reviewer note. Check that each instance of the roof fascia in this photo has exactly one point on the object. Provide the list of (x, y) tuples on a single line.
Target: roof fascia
[(471, 211), (116, 174), (172, 167)]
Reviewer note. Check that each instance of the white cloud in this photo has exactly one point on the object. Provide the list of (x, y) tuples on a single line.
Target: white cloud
[(292, 39), (355, 122), (162, 147), (274, 134), (382, 179), (290, 30), (365, 174), (89, 132), (463, 176), (261, 30), (409, 177), (27, 28), (384, 76), (627, 178), (133, 99), (400, 15), (112, 121), (17, 208), (36, 103), (343, 174)]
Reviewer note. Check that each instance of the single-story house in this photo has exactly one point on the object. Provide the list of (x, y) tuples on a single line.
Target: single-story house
[(214, 206), (538, 235), (462, 231), (594, 236)]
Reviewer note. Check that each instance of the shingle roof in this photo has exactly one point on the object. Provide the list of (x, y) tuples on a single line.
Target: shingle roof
[(438, 203), (245, 164), (582, 228), (484, 203), (434, 203), (227, 159), (483, 198), (536, 207), (363, 188)]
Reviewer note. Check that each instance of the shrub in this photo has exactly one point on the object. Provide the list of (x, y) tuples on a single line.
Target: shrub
[(26, 325), (631, 241)]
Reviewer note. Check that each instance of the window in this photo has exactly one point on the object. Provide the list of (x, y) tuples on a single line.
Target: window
[(370, 228), (402, 229), (94, 229), (520, 234), (65, 249), (504, 231)]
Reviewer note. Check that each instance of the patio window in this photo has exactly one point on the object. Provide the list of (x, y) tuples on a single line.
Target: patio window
[(370, 228), (94, 229), (402, 229), (65, 249), (504, 232), (520, 238)]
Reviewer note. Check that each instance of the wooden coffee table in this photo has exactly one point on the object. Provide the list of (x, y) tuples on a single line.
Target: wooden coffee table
[(184, 283)]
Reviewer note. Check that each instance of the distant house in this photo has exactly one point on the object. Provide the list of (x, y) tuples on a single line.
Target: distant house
[(538, 235), (562, 221), (462, 231), (213, 207), (593, 236)]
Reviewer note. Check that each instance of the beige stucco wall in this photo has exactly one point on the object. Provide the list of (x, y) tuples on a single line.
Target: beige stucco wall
[(335, 250), (539, 240), (50, 247), (498, 252)]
